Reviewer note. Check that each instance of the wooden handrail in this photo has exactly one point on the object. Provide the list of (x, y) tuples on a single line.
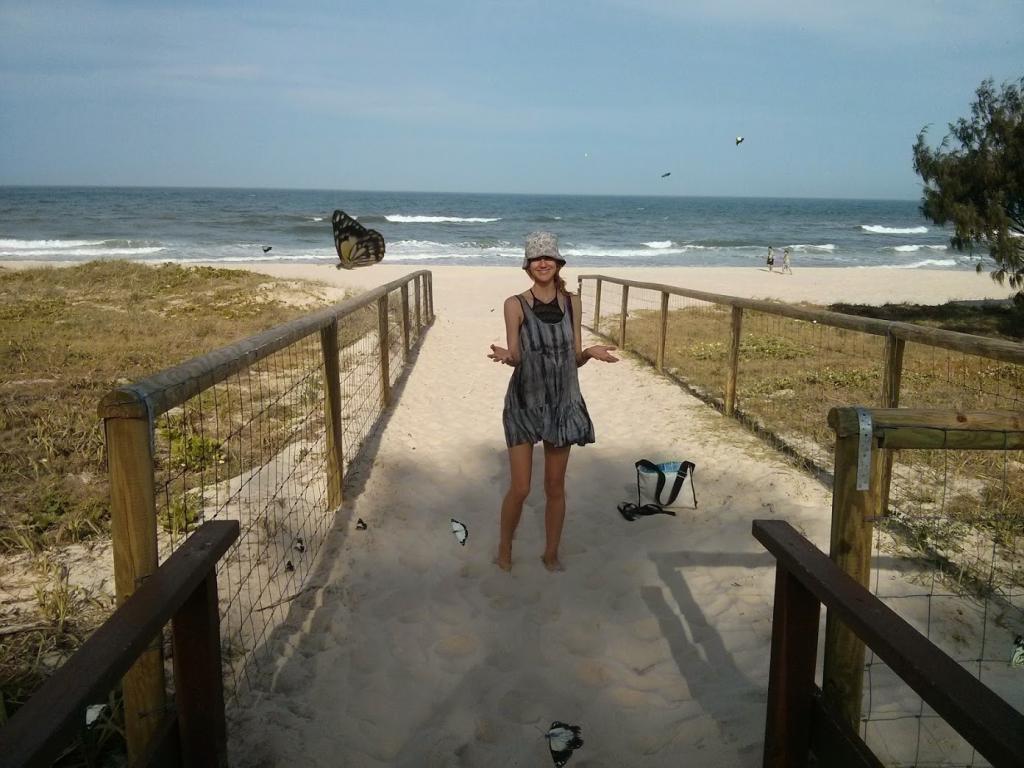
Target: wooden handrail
[(157, 394), (934, 427), (991, 725), (40, 730), (996, 349)]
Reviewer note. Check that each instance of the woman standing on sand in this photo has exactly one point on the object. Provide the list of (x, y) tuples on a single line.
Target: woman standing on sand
[(543, 402)]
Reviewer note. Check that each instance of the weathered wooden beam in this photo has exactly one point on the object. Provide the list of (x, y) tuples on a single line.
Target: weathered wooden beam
[(38, 732), (332, 415), (995, 349), (733, 363), (991, 725), (791, 673)]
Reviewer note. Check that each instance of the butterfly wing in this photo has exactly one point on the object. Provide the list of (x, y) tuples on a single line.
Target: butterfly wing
[(460, 531), (563, 739), (356, 245)]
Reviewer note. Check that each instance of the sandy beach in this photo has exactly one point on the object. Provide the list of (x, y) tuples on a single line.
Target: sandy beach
[(411, 650)]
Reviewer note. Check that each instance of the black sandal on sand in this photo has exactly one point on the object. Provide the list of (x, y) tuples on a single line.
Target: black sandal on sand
[(631, 511)]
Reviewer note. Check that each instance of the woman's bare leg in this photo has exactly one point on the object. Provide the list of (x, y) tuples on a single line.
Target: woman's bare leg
[(520, 462), (555, 462)]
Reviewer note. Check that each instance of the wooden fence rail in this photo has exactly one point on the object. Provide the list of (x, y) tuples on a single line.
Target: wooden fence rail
[(184, 591), (801, 722), (129, 414), (895, 333)]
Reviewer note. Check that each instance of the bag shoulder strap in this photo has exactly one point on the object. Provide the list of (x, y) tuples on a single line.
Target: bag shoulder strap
[(686, 467)]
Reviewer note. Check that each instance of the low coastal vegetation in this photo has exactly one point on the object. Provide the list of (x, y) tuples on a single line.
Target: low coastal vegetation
[(792, 372), (69, 336)]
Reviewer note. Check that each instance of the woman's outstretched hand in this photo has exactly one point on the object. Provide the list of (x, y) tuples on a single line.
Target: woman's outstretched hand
[(601, 352), (501, 355)]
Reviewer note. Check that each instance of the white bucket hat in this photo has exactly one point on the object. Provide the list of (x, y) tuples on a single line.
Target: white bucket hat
[(541, 244)]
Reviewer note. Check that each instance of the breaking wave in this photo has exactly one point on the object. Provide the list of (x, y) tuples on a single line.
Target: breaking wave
[(878, 229)]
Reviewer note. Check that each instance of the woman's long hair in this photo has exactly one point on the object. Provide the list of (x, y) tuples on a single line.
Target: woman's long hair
[(560, 282)]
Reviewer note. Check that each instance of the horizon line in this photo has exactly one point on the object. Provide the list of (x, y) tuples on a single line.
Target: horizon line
[(438, 192)]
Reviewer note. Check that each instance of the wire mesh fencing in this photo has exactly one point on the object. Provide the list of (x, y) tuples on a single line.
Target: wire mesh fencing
[(779, 368), (248, 433), (941, 546), (948, 558)]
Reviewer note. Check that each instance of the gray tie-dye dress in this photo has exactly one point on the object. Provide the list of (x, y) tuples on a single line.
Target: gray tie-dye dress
[(543, 401)]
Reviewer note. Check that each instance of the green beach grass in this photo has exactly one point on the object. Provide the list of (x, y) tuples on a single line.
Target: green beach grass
[(69, 336)]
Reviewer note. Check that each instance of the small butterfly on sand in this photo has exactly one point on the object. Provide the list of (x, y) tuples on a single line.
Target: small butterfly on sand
[(563, 739), (360, 525), (300, 545), (1017, 657), (460, 530)]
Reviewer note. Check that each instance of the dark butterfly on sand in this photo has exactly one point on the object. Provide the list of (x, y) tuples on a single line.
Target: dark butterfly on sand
[(563, 739), (357, 246)]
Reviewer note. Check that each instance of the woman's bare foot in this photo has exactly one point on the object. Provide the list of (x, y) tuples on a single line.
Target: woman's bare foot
[(553, 564), (503, 561)]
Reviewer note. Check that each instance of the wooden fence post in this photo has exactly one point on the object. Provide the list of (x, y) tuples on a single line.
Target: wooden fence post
[(332, 413), (791, 673), (663, 331), (198, 680), (622, 317), (419, 306), (892, 376), (853, 513), (405, 320), (732, 373), (597, 307), (430, 298), (383, 338), (133, 534)]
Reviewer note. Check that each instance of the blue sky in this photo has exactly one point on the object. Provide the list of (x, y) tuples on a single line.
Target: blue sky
[(597, 97)]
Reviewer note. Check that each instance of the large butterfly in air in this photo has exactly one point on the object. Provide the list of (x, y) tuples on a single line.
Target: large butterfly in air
[(357, 246)]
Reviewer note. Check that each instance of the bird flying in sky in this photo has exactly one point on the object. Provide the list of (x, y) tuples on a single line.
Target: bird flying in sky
[(267, 248), (665, 175), (739, 140)]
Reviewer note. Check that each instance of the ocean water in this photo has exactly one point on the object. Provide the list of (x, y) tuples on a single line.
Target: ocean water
[(230, 225)]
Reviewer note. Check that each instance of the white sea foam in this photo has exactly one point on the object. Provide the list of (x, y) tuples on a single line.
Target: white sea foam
[(78, 253), (399, 219), (317, 218), (913, 248), (805, 247), (920, 264), (659, 244), (18, 245), (878, 229)]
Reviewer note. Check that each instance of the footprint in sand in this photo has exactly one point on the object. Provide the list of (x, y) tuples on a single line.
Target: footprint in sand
[(456, 646), (520, 707)]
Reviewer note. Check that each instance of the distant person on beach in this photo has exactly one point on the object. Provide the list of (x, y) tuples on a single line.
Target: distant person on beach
[(786, 267), (543, 402), (771, 259)]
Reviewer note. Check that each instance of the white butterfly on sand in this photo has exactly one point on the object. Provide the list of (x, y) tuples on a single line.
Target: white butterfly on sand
[(1017, 657), (562, 740), (461, 531)]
